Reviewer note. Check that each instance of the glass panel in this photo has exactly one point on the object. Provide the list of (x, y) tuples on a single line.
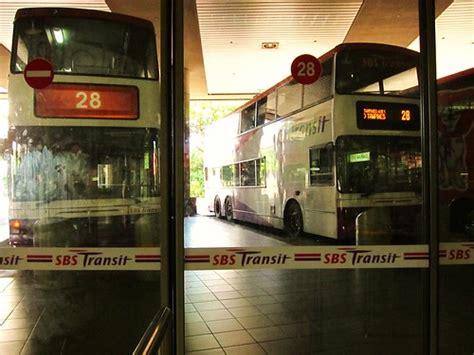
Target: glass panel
[(321, 166), (247, 173), (82, 207), (455, 96), (289, 98), (330, 178), (385, 72), (371, 164), (81, 45), (321, 89), (247, 119)]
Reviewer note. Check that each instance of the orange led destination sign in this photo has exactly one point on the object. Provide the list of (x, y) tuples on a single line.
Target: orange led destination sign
[(87, 102), (375, 114), (387, 115)]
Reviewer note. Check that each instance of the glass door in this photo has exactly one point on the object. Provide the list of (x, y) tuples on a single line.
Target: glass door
[(303, 217), (84, 182), (455, 109)]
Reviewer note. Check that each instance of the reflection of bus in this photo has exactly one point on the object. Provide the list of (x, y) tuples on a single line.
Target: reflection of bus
[(456, 153), (84, 150), (332, 158)]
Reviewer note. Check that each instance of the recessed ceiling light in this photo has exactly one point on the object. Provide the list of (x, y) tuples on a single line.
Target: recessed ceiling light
[(270, 45)]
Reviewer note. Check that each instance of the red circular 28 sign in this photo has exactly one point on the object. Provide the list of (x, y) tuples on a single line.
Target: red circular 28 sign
[(39, 73), (306, 69)]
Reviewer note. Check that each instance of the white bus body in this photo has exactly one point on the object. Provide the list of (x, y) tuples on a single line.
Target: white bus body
[(285, 154), (84, 151)]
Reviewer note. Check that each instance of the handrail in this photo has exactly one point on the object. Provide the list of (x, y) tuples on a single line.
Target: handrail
[(154, 334)]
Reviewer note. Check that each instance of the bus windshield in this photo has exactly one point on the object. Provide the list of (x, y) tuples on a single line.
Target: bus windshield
[(377, 72), (373, 164), (69, 163), (85, 46)]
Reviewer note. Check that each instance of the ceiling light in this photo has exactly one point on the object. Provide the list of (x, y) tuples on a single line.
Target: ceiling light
[(270, 45)]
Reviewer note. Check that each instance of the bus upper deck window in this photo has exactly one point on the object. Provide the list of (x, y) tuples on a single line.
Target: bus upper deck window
[(247, 119)]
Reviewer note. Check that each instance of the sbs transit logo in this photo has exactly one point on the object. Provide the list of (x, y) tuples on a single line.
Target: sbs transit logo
[(243, 257), (355, 256), (87, 259)]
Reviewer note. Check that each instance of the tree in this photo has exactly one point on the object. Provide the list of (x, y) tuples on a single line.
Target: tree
[(202, 114)]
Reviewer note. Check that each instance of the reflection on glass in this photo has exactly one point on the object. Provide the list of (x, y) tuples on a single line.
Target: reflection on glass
[(377, 72), (75, 45), (96, 176), (372, 164)]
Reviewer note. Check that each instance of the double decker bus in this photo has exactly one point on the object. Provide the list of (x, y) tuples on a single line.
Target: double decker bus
[(335, 158), (456, 155), (84, 151)]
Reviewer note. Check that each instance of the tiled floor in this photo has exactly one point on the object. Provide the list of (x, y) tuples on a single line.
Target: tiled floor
[(300, 312), (80, 314), (328, 312)]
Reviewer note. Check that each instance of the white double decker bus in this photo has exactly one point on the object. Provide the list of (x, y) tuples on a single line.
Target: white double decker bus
[(331, 158), (84, 151)]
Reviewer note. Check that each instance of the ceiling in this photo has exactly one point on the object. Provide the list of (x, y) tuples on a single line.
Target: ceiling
[(224, 58)]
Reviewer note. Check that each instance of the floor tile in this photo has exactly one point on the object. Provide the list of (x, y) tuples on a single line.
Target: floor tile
[(249, 349), (14, 335), (192, 317), (200, 342), (215, 315), (11, 348), (255, 321), (245, 311), (225, 325), (227, 295), (287, 317), (197, 290), (208, 306), (196, 328), (207, 352), (262, 299), (18, 323), (215, 282), (204, 297), (271, 308), (266, 334), (236, 302), (189, 307), (221, 288), (238, 337)]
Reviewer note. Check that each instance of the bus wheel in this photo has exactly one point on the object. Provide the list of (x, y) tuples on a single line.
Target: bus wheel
[(217, 208), (229, 212), (293, 220)]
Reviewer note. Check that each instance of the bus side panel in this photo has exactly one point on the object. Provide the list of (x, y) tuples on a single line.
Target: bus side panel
[(312, 129), (256, 203)]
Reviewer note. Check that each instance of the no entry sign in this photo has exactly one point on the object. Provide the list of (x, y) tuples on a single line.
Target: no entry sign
[(39, 73), (306, 69)]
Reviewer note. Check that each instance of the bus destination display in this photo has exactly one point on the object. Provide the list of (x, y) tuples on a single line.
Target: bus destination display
[(387, 115), (87, 102)]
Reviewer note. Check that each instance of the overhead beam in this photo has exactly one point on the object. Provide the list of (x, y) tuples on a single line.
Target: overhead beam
[(390, 22)]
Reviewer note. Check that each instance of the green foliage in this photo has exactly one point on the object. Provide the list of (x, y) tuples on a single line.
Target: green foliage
[(202, 114)]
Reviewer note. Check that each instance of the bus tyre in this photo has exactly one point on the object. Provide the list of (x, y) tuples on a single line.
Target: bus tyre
[(293, 220), (229, 212), (217, 208)]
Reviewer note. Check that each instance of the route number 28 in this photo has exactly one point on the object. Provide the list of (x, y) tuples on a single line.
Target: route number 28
[(86, 101), (305, 69)]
